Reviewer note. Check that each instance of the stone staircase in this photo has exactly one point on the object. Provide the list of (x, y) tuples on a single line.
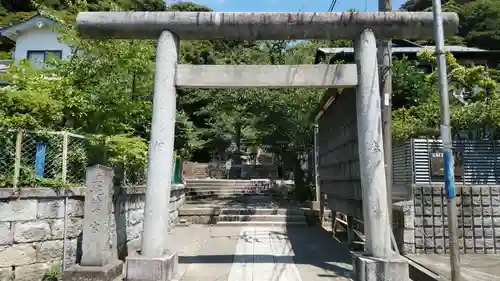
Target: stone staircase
[(216, 188), (238, 203)]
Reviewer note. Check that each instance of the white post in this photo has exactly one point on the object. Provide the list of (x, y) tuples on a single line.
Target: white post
[(371, 151), (161, 149), (17, 159), (64, 168)]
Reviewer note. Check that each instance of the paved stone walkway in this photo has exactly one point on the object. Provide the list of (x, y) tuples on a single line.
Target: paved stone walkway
[(259, 254), (474, 267)]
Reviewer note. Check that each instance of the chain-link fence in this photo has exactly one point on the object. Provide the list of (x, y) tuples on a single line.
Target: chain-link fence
[(51, 159), (134, 175), (30, 158), (7, 157)]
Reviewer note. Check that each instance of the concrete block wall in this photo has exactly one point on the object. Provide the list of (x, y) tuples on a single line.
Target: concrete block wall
[(403, 216), (32, 227), (478, 220), (338, 155)]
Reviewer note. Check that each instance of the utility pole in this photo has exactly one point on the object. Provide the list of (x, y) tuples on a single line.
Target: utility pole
[(385, 63), (449, 177), (316, 163)]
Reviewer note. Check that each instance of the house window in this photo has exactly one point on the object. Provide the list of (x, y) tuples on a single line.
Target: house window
[(38, 58)]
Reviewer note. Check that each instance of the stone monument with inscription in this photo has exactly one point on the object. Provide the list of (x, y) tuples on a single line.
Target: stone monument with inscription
[(99, 254)]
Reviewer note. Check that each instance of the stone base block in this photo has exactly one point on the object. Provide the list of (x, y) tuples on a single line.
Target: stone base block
[(315, 205), (142, 268), (372, 269), (110, 272)]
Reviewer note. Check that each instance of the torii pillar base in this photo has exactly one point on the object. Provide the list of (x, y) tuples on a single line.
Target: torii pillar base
[(368, 268), (140, 268)]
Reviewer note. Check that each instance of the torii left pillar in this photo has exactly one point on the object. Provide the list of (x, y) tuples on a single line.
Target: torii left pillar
[(157, 261)]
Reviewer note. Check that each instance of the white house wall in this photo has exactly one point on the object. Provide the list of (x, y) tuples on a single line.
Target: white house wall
[(39, 40)]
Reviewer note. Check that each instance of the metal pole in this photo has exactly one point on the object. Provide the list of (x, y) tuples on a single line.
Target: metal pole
[(385, 62), (65, 231), (316, 159), (447, 144), (64, 176)]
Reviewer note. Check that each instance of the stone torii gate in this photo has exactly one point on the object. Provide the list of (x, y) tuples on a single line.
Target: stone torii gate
[(157, 261)]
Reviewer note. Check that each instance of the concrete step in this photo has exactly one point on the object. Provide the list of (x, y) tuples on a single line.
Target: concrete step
[(263, 218), (230, 193), (209, 188), (222, 187), (263, 223), (228, 196), (219, 187), (210, 197), (197, 211), (226, 181), (212, 182), (229, 190), (183, 223), (232, 180), (260, 211), (209, 210)]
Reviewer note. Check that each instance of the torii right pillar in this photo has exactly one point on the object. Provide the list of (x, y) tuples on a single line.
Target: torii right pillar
[(379, 262)]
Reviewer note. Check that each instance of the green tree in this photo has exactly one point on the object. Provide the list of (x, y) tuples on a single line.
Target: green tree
[(479, 20), (480, 23), (93, 5), (409, 84), (32, 103), (188, 7), (474, 98), (285, 123)]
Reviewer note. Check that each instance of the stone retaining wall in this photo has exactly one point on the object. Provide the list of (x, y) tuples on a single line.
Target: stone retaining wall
[(424, 224), (32, 227), (338, 157)]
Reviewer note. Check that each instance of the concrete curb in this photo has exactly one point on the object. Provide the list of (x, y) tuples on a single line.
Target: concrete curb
[(420, 273)]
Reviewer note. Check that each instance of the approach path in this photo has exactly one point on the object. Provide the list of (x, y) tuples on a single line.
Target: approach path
[(248, 253)]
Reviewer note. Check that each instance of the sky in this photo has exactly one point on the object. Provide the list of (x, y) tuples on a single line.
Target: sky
[(291, 5)]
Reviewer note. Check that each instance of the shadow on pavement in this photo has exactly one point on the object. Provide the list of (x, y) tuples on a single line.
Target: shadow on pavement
[(316, 246)]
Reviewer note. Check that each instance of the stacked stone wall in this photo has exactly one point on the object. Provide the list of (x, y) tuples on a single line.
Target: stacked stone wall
[(32, 227), (339, 173)]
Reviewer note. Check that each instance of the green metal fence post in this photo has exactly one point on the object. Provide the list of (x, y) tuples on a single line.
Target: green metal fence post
[(176, 175)]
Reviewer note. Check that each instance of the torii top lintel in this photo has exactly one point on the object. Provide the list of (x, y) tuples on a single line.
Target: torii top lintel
[(261, 26)]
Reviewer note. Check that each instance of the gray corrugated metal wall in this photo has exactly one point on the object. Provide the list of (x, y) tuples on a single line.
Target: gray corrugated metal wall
[(412, 163), (338, 155), (481, 161), (402, 171)]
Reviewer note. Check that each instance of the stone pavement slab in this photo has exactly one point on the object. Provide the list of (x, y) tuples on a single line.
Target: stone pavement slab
[(208, 253), (474, 267)]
